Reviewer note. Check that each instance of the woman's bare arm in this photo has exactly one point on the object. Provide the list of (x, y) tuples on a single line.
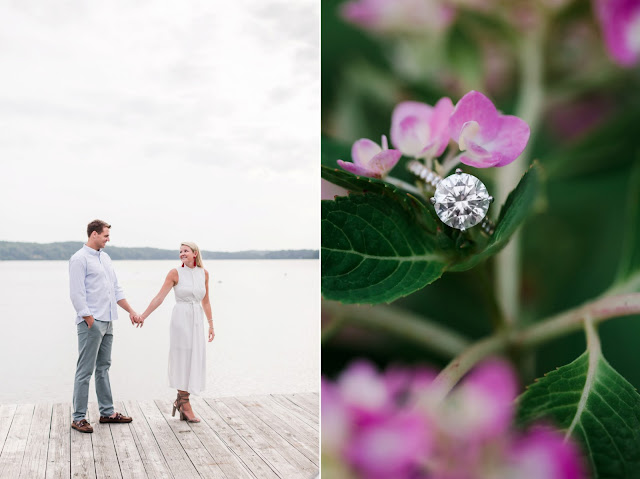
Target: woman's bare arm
[(206, 306), (170, 281)]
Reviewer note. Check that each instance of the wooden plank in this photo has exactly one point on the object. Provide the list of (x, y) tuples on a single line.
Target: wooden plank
[(293, 408), (271, 451), (289, 414), (298, 460), (307, 401), (179, 463), (232, 439), (16, 442), (6, 418), (293, 432), (82, 465), (131, 466), (153, 460), (34, 463), (203, 461), (59, 457), (104, 451), (226, 459)]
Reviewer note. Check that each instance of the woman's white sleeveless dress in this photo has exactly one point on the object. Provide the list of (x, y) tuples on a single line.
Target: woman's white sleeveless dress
[(187, 360)]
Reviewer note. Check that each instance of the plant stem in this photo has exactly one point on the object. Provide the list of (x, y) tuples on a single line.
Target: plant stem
[(597, 311), (335, 325), (403, 184), (400, 323), (456, 369), (529, 109)]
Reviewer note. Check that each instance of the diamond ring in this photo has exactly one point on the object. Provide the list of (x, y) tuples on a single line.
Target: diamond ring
[(461, 200)]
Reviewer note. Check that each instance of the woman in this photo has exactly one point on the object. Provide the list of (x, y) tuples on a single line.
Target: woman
[(187, 361)]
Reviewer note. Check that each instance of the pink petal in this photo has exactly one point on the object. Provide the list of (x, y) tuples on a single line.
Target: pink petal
[(363, 389), (410, 108), (486, 399), (420, 130), (360, 13), (383, 162), (335, 418), (474, 106), (398, 380), (376, 167), (357, 169), (408, 384), (394, 447), (410, 135), (429, 151), (399, 16), (477, 156), (544, 453), (363, 150), (440, 124), (410, 130), (511, 140), (620, 22), (422, 380)]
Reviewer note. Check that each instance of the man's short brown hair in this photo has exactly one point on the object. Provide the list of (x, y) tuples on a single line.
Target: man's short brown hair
[(97, 226)]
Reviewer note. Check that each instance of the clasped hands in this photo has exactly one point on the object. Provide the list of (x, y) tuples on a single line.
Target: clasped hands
[(136, 319)]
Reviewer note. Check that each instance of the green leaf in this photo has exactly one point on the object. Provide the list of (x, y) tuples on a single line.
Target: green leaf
[(518, 206), (383, 243), (360, 184), (374, 249), (353, 182), (594, 404)]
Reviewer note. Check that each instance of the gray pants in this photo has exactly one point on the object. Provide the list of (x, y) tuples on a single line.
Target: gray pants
[(94, 353)]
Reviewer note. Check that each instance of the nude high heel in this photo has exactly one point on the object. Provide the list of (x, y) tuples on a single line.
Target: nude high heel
[(181, 400), (176, 405)]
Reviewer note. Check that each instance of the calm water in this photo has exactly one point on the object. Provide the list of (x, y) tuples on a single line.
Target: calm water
[(266, 317)]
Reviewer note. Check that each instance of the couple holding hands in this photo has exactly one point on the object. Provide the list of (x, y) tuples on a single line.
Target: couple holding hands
[(95, 294)]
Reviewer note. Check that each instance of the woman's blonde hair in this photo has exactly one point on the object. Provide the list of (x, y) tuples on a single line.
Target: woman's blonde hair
[(196, 250)]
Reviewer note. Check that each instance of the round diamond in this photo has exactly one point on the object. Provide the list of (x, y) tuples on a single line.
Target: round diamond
[(461, 201)]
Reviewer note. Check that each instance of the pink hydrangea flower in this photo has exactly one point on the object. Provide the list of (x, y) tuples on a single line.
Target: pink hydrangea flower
[(392, 425), (543, 452), (399, 16), (486, 137), (420, 130), (371, 160), (367, 424), (620, 22), (336, 426), (391, 446), (481, 407)]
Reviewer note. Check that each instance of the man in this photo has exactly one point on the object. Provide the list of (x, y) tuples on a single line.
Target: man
[(94, 294)]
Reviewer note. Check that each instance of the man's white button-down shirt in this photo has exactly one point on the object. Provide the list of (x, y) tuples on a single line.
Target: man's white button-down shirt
[(94, 287)]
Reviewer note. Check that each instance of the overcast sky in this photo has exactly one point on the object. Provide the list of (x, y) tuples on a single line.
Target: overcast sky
[(173, 121)]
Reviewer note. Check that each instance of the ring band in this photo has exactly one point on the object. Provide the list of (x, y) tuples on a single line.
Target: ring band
[(461, 200)]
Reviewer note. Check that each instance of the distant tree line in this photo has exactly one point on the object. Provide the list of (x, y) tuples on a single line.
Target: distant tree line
[(12, 251)]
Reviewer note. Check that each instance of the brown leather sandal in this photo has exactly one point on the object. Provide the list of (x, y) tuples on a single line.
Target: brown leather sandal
[(181, 400)]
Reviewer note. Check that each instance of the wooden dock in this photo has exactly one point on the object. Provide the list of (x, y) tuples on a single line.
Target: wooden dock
[(273, 436)]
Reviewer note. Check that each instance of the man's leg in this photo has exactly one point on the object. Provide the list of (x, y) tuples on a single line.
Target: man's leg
[(103, 362), (88, 344)]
